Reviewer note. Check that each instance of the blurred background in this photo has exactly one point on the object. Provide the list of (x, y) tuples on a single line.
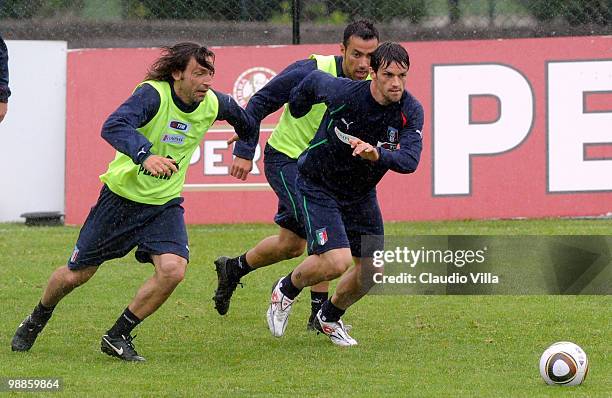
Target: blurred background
[(147, 23)]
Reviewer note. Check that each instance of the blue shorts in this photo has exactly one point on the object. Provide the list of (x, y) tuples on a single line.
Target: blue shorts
[(333, 223), (281, 171), (116, 225)]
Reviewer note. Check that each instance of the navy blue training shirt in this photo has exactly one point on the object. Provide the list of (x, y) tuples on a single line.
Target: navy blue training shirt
[(274, 95), (119, 130), (5, 92), (395, 130)]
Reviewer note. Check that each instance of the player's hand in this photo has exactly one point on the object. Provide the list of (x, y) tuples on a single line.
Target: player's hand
[(3, 109), (364, 150), (158, 165), (241, 168), (233, 139)]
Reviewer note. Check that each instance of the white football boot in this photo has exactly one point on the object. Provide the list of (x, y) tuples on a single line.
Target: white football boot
[(336, 331), (278, 311)]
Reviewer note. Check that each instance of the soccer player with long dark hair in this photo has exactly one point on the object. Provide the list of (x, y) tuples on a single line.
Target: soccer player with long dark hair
[(155, 132)]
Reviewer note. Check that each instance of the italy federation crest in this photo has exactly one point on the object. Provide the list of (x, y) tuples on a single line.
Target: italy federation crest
[(321, 236)]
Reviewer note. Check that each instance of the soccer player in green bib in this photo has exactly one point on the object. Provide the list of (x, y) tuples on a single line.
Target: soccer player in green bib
[(288, 140), (155, 132)]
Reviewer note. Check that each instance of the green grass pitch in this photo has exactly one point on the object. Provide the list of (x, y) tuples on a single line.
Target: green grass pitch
[(421, 346)]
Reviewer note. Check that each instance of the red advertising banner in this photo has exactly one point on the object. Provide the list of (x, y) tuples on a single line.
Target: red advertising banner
[(513, 128)]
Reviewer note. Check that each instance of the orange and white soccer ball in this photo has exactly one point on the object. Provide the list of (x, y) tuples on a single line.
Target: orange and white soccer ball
[(564, 364)]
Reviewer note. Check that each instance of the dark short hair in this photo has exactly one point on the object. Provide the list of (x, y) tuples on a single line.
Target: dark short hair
[(362, 28), (175, 58), (387, 53)]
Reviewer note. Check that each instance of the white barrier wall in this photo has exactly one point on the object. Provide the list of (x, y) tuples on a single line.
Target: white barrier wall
[(33, 133)]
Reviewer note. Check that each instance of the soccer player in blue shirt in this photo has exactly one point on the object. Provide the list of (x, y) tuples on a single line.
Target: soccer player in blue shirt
[(288, 140), (370, 127), (5, 92)]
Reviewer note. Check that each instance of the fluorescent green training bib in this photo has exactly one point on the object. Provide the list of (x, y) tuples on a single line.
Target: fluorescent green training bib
[(292, 136), (174, 134)]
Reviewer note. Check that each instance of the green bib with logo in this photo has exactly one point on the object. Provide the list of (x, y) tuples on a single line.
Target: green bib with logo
[(292, 136), (174, 134)]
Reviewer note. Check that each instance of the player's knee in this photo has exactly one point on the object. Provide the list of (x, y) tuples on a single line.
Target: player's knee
[(293, 247), (333, 271), (335, 263), (71, 280), (74, 278), (172, 271), (297, 250)]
